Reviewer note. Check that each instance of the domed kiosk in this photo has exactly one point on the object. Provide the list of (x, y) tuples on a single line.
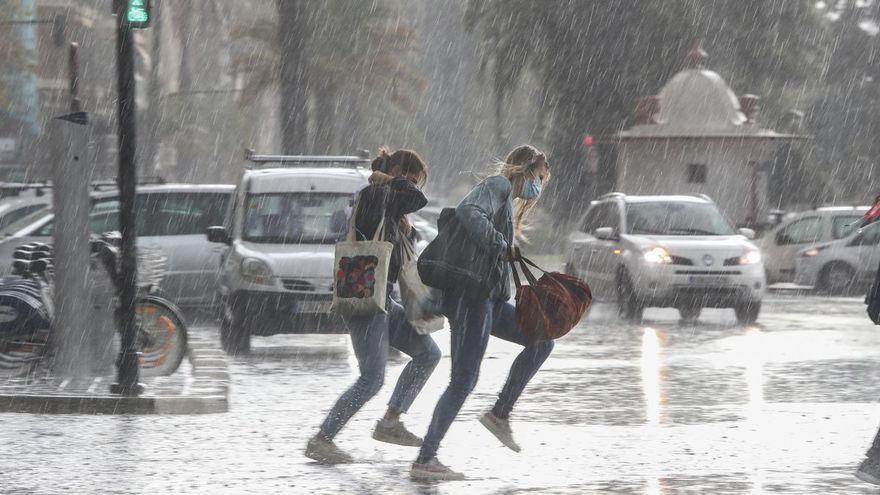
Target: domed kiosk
[(697, 137)]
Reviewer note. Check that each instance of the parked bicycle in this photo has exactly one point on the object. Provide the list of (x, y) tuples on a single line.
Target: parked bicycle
[(27, 310)]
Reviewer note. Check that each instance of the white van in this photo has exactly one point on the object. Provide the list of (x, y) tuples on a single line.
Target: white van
[(276, 276)]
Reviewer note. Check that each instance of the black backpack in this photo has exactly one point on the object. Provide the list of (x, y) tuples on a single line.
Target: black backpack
[(873, 299)]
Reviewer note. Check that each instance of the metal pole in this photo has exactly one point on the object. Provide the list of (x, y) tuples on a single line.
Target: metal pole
[(128, 360)]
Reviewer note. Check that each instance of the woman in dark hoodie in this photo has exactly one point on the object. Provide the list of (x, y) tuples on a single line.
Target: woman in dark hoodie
[(394, 190)]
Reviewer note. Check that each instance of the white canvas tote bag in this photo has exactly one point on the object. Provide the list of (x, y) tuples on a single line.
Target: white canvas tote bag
[(361, 278)]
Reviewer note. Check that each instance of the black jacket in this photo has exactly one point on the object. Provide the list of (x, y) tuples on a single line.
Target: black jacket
[(402, 197)]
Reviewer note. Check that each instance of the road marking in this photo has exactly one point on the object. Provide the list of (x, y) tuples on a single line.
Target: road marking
[(94, 385)]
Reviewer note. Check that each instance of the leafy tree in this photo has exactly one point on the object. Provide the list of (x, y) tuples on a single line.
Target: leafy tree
[(351, 48)]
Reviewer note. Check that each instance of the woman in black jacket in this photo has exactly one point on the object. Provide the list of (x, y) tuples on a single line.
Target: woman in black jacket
[(393, 190)]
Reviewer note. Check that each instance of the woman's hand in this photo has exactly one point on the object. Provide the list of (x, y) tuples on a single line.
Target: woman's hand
[(380, 178)]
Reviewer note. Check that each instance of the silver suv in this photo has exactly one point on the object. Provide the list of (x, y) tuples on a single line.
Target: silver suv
[(666, 251)]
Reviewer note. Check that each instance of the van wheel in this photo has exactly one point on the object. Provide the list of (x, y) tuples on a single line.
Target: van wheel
[(628, 306), (234, 337), (690, 313), (837, 278), (747, 313)]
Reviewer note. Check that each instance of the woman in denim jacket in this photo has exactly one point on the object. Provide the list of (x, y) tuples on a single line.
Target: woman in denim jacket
[(490, 218)]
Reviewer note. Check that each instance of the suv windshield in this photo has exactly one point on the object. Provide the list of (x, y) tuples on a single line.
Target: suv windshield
[(296, 218), (667, 218)]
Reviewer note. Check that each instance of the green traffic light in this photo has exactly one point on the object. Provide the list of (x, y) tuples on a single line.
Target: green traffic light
[(137, 13)]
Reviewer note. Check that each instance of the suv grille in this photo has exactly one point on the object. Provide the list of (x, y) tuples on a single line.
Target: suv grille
[(299, 285), (678, 260)]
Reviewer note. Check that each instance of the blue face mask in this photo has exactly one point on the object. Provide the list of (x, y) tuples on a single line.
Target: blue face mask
[(531, 189)]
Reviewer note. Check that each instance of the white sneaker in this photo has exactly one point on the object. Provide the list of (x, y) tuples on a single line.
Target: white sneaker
[(433, 471), (501, 429), (326, 452)]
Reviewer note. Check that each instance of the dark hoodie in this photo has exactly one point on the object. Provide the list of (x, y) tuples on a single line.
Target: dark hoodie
[(403, 197)]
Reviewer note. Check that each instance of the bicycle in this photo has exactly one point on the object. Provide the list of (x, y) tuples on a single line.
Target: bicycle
[(27, 310)]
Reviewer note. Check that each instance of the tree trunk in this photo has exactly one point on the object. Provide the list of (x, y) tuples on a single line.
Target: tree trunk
[(292, 38), (325, 120)]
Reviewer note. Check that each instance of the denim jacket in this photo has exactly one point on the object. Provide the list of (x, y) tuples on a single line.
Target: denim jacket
[(486, 213)]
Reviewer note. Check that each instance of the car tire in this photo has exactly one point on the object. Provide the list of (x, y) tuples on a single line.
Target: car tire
[(837, 279), (747, 313), (690, 313), (629, 307), (235, 338)]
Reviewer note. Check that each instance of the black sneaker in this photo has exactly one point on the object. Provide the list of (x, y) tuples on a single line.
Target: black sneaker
[(869, 471)]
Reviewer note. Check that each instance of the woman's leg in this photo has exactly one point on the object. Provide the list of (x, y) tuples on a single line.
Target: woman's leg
[(421, 348), (470, 321), (526, 364), (369, 338)]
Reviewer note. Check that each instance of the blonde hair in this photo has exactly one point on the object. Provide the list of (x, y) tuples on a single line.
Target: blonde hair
[(522, 161)]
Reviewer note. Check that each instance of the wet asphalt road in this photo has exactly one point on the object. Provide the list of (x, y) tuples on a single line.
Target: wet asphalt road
[(788, 405)]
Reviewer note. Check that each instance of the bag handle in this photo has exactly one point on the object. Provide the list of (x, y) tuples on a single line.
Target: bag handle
[(530, 277), (379, 235), (350, 237)]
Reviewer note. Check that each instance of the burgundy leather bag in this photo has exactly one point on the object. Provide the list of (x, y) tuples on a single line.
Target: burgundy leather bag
[(549, 307)]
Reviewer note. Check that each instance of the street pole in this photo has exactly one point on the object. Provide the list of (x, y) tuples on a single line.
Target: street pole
[(75, 337), (128, 361)]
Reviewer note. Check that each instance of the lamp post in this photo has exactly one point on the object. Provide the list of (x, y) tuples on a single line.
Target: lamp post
[(130, 14)]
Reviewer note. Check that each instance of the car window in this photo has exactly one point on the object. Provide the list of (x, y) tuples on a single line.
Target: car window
[(17, 214), (869, 237), (612, 216), (158, 214), (162, 214), (296, 218), (676, 218), (591, 220), (844, 225), (804, 231)]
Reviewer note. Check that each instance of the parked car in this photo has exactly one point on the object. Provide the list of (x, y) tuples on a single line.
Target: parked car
[(666, 251), (841, 266), (171, 218), (14, 208), (797, 231)]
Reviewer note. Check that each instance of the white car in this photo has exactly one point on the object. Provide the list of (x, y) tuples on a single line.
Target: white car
[(277, 275), (841, 266), (171, 218), (797, 231), (666, 251)]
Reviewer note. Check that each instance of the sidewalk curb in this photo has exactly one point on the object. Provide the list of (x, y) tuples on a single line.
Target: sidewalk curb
[(206, 392)]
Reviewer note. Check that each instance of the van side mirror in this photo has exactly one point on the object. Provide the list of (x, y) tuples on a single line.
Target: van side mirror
[(747, 233), (219, 235), (605, 234)]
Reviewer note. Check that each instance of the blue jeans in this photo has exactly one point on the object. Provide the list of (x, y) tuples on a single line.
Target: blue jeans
[(370, 338), (472, 322)]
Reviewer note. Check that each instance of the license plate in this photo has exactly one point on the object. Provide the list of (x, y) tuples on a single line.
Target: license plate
[(312, 307), (708, 280)]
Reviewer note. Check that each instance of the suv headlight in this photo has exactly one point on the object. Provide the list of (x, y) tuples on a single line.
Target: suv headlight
[(256, 271), (657, 255), (752, 257), (809, 253)]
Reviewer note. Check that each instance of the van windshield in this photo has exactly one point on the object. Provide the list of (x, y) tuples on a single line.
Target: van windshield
[(296, 218), (668, 218)]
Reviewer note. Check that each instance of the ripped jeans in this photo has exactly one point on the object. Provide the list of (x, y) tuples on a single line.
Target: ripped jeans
[(370, 338)]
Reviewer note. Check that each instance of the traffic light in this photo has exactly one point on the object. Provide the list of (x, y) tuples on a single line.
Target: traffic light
[(137, 13)]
